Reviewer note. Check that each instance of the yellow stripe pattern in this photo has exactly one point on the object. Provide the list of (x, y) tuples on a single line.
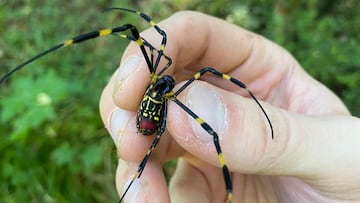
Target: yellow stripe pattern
[(221, 159), (68, 42), (226, 77), (105, 32), (199, 120), (139, 42), (162, 47), (230, 197), (197, 75)]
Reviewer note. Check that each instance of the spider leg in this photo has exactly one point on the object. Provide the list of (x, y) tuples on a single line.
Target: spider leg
[(152, 49), (81, 38)]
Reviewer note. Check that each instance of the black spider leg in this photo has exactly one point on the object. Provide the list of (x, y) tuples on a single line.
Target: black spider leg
[(148, 153), (159, 52), (152, 49), (82, 38), (157, 28), (231, 79)]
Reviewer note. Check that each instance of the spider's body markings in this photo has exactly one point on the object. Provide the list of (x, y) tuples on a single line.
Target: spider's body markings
[(151, 116), (153, 106)]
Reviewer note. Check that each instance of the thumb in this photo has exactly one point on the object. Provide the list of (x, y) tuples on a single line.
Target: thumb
[(304, 146)]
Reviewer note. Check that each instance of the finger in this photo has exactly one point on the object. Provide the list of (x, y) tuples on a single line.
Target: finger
[(304, 146), (150, 187)]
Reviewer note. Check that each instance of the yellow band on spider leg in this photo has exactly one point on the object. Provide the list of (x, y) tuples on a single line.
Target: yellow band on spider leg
[(199, 120), (226, 77), (222, 159), (197, 75), (68, 42), (105, 32), (139, 42)]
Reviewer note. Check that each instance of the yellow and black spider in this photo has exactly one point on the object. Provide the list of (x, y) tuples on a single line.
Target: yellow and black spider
[(151, 116)]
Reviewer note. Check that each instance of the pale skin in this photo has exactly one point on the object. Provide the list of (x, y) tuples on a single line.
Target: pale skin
[(315, 156)]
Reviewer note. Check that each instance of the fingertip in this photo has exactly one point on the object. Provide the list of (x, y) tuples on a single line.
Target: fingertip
[(117, 123), (130, 82), (106, 104)]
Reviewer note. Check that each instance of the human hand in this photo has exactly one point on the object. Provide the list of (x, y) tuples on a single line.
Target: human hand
[(313, 158)]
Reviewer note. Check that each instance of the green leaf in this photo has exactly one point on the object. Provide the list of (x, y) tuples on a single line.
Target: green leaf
[(63, 155), (91, 157)]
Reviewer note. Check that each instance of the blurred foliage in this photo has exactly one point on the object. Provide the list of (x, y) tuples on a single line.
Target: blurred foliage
[(54, 146)]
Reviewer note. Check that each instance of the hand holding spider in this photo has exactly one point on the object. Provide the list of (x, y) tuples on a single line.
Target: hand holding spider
[(314, 156)]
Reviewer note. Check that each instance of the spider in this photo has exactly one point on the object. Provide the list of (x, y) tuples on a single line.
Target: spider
[(152, 113)]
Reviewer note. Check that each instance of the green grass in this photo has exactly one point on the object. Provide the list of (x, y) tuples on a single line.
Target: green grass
[(54, 147)]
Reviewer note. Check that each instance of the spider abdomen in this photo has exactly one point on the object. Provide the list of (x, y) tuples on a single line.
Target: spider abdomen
[(150, 115)]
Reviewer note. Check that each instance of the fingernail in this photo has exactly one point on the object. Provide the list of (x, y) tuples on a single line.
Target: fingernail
[(117, 123), (128, 67), (208, 105)]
